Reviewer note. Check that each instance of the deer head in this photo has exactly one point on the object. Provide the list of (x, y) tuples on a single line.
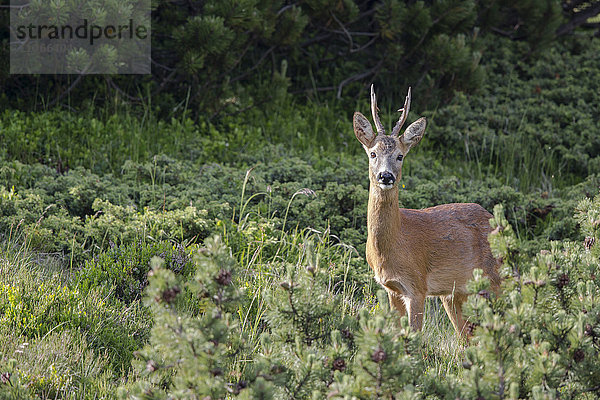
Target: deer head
[(386, 152)]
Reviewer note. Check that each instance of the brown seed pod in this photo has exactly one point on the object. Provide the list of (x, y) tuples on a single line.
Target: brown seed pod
[(338, 364), (169, 295), (223, 278), (470, 328), (347, 334), (578, 355), (485, 294), (562, 281), (378, 355)]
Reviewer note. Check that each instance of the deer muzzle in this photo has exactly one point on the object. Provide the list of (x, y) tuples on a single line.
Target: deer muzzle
[(385, 179)]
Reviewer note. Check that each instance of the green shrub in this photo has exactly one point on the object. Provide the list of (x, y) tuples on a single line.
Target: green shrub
[(48, 227), (301, 344), (539, 338), (123, 269), (127, 224)]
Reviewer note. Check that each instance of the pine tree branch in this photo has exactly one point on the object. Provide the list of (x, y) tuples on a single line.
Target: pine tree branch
[(571, 5), (302, 382), (379, 380), (592, 389), (285, 8), (357, 77), (71, 87), (344, 30), (502, 32), (113, 85), (372, 375), (501, 377), (368, 44), (579, 19), (254, 67)]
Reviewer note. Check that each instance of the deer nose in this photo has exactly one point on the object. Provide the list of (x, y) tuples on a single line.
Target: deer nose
[(386, 178)]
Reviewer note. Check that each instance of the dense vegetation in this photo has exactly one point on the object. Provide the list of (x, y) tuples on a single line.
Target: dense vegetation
[(218, 57), (154, 254)]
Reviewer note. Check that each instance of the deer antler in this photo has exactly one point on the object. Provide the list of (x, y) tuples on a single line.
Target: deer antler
[(374, 109), (404, 115)]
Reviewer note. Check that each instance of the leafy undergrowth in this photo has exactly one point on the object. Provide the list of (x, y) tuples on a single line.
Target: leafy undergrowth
[(539, 339)]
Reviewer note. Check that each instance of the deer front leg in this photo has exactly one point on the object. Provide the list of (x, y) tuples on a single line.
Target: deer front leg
[(397, 303), (416, 307)]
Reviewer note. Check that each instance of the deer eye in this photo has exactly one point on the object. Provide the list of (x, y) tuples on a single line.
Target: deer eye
[(373, 155), (400, 157)]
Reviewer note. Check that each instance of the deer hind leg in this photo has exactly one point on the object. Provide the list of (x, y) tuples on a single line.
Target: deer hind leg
[(415, 306), (397, 303), (453, 305)]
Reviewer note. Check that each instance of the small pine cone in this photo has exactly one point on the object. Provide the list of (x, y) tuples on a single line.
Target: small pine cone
[(217, 372), (578, 355), (224, 277), (589, 242), (169, 294), (338, 364), (589, 330), (347, 334), (239, 387), (562, 281), (470, 328), (378, 355), (5, 377), (485, 294)]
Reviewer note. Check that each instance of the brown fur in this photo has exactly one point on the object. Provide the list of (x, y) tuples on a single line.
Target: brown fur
[(430, 252), (420, 253)]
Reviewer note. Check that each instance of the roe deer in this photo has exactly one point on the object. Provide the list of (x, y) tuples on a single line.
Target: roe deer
[(419, 253)]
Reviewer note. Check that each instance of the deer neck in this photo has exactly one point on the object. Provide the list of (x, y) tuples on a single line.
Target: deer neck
[(383, 216)]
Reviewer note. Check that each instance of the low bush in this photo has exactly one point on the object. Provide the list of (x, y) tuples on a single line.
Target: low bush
[(538, 339), (123, 269)]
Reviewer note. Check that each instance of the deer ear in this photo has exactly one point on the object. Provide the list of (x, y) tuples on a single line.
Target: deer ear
[(363, 130), (414, 133)]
